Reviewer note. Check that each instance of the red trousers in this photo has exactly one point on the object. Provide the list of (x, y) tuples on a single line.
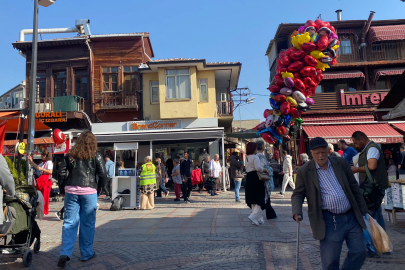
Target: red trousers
[(44, 184), (177, 189)]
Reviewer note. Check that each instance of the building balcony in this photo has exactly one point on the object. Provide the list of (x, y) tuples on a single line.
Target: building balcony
[(119, 100), (58, 104), (224, 108)]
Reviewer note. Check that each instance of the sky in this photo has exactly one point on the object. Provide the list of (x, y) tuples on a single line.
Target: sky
[(216, 30)]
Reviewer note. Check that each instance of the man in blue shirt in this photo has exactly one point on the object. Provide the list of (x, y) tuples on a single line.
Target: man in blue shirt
[(109, 165), (348, 152)]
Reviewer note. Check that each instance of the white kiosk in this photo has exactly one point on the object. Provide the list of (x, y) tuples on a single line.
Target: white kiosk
[(127, 180)]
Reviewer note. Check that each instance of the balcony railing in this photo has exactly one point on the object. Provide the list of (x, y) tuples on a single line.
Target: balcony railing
[(374, 52), (58, 104), (119, 100), (224, 108)]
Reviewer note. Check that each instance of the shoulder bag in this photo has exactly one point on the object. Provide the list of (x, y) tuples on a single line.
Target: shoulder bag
[(263, 176)]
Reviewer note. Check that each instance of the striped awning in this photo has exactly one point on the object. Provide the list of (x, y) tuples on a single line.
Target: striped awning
[(348, 31), (344, 75), (312, 119), (379, 133), (388, 71), (388, 32), (400, 126)]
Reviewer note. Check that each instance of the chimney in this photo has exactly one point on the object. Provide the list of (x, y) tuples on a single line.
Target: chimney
[(339, 14)]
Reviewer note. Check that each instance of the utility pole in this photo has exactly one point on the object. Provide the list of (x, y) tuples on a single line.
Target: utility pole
[(241, 93)]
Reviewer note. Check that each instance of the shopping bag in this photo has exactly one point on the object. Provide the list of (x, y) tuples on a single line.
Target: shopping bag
[(381, 241), (369, 242)]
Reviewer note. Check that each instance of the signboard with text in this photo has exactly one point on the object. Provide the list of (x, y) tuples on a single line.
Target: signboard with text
[(51, 117), (10, 150), (154, 125)]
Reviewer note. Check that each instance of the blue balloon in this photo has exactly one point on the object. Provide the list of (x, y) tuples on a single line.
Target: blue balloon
[(275, 134), (287, 120), (274, 104)]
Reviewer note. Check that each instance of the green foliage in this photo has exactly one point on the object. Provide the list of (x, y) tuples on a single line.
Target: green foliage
[(13, 169)]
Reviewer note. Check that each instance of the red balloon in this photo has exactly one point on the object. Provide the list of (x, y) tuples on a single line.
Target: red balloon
[(278, 76), (285, 60), (283, 69), (268, 138), (288, 137), (309, 83), (58, 136), (297, 75), (332, 28), (326, 24), (290, 50), (318, 72), (308, 47), (274, 88), (279, 63), (333, 62), (322, 43), (281, 130), (294, 67), (310, 23), (310, 61), (299, 85), (280, 98), (318, 22), (279, 82), (294, 113), (285, 108), (308, 71), (297, 55), (283, 53)]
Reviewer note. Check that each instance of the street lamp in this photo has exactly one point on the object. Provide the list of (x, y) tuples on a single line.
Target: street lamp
[(33, 83)]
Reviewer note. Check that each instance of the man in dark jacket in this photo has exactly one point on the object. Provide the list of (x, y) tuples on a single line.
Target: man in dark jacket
[(185, 171), (233, 168), (336, 207), (205, 170)]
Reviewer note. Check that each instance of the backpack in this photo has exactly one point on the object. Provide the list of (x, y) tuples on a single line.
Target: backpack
[(116, 204), (372, 193)]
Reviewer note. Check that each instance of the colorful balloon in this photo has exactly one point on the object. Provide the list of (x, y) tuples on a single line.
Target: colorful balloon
[(268, 138), (308, 71), (280, 98), (274, 88), (294, 67), (309, 101), (297, 55), (269, 121), (285, 108), (299, 85), (285, 60), (274, 104), (286, 91), (260, 126), (279, 82), (310, 61), (309, 83), (294, 113), (291, 101), (287, 74), (308, 47), (281, 130), (289, 82), (58, 136)]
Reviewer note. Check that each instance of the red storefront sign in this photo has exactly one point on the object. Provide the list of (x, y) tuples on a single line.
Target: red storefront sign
[(361, 99)]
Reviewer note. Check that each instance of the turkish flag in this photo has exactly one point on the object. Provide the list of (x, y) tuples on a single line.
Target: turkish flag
[(2, 134)]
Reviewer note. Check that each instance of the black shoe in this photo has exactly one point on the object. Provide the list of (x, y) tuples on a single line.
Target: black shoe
[(200, 191), (212, 194), (216, 194), (176, 200), (62, 261), (94, 255)]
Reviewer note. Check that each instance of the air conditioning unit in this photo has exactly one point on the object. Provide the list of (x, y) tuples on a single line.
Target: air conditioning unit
[(43, 107)]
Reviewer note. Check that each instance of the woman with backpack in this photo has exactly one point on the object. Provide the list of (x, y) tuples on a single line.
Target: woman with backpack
[(81, 166)]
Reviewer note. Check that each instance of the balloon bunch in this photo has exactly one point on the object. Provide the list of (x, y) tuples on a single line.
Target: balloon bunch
[(299, 71)]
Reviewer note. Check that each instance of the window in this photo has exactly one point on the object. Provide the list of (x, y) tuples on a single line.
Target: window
[(131, 78), (328, 86), (381, 83), (203, 90), (345, 47), (110, 79), (393, 79), (81, 83), (178, 83), (59, 79), (18, 96), (41, 84), (154, 92)]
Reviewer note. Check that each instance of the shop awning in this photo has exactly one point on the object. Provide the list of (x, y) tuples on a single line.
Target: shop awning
[(5, 115), (36, 141), (400, 126), (310, 119), (243, 135), (13, 125), (344, 75), (161, 135), (388, 71), (388, 32), (379, 133)]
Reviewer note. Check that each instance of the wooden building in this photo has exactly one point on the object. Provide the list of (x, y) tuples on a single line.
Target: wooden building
[(95, 75)]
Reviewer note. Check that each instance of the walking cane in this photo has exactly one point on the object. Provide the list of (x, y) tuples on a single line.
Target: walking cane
[(297, 246)]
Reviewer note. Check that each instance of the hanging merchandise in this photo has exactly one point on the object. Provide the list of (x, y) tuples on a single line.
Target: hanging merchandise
[(299, 72)]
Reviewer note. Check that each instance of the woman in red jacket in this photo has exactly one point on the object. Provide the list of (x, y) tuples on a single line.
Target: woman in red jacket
[(196, 178)]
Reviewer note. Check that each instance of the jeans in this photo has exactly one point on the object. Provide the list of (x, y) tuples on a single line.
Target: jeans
[(79, 209), (377, 215), (339, 228), (186, 188), (237, 187), (162, 186)]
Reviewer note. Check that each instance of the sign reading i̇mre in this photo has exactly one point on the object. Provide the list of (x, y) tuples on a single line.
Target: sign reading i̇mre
[(51, 117)]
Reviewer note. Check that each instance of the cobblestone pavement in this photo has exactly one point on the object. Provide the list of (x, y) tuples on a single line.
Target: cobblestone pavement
[(208, 233)]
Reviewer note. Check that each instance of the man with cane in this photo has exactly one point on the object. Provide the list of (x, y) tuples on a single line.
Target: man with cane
[(336, 207)]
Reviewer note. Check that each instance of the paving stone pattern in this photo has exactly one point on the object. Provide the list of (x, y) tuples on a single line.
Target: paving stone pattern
[(209, 233)]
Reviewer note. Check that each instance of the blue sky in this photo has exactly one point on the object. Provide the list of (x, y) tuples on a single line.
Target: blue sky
[(217, 30)]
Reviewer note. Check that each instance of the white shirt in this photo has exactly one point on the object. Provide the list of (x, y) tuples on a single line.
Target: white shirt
[(47, 165), (215, 168), (253, 164)]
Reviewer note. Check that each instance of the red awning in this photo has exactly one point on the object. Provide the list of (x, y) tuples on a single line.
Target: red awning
[(337, 118), (344, 75), (388, 32), (348, 31), (388, 71), (379, 133), (400, 126)]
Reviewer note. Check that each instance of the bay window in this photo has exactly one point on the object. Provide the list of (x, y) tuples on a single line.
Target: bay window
[(178, 84)]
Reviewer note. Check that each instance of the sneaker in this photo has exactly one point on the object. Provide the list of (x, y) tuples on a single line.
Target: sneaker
[(176, 200), (238, 201), (200, 191), (281, 194), (59, 216), (254, 221), (62, 261), (186, 201), (98, 206), (216, 194), (167, 194), (261, 221)]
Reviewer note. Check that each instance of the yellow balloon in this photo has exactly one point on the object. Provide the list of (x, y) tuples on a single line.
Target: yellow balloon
[(303, 38), (294, 42), (276, 113), (321, 66), (287, 74), (291, 101), (335, 47), (317, 54)]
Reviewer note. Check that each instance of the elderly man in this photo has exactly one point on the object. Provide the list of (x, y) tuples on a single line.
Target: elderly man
[(336, 207), (331, 151), (215, 172)]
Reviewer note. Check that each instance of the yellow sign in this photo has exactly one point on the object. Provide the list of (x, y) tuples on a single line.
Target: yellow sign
[(48, 117), (21, 148)]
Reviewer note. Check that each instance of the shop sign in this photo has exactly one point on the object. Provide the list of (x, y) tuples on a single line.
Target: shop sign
[(11, 150), (51, 117), (349, 140), (156, 124), (361, 99)]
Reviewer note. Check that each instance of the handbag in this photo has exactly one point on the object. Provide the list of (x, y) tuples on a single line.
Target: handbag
[(263, 176)]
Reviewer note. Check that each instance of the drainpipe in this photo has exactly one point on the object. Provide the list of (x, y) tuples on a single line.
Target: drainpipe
[(363, 46), (91, 76)]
